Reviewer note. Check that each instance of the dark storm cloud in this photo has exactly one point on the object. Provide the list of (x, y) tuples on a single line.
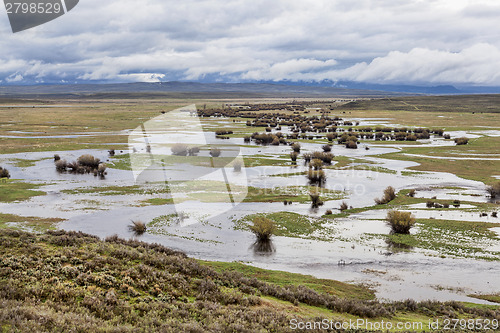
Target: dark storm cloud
[(440, 41)]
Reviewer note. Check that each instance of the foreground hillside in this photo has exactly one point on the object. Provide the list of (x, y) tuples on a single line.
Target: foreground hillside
[(61, 282)]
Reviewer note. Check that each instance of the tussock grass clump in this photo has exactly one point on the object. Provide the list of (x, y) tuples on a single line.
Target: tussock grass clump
[(316, 164), (263, 228), (327, 148), (343, 206), (4, 173), (88, 161), (138, 227), (461, 141), (412, 193), (179, 149), (351, 145), (296, 147), (389, 195), (316, 201), (223, 132), (294, 156), (400, 222), (316, 177), (215, 152), (56, 157), (111, 152), (85, 164), (237, 165), (494, 190), (328, 212)]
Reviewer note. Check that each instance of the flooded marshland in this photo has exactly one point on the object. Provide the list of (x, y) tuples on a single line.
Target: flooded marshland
[(205, 208)]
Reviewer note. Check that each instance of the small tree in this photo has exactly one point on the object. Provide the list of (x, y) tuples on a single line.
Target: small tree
[(263, 228), (400, 222)]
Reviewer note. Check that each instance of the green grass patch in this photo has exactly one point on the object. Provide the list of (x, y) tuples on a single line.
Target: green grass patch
[(453, 238), (15, 190)]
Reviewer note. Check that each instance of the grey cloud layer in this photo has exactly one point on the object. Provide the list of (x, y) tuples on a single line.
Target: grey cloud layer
[(435, 41)]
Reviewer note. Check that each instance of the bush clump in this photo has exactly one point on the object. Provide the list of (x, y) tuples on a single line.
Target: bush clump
[(294, 156), (296, 147), (461, 141), (316, 177), (494, 190), (389, 195), (263, 228), (4, 173), (215, 152), (179, 149), (138, 227), (316, 201), (400, 222)]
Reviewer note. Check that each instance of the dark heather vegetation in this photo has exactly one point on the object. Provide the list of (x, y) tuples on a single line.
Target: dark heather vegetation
[(389, 195), (400, 222), (72, 282), (4, 173)]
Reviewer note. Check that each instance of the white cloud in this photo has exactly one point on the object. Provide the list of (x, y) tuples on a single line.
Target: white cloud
[(411, 41)]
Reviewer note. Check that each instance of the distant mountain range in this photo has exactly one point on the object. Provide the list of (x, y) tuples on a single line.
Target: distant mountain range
[(231, 90)]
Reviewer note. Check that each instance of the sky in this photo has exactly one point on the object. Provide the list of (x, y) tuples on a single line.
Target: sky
[(418, 42)]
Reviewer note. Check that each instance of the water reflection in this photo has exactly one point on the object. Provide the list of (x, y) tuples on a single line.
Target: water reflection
[(263, 247)]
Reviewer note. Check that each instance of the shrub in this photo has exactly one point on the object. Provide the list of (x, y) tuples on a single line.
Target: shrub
[(316, 164), (179, 149), (238, 164), (389, 195), (412, 193), (315, 200), (307, 157), (138, 227), (430, 204), (296, 147), (343, 206), (400, 222), (56, 157), (330, 137), (447, 136), (263, 228), (293, 156), (351, 145), (327, 148), (4, 173), (88, 161), (329, 212), (61, 165), (247, 139), (111, 152), (316, 177), (193, 151), (223, 132), (215, 152), (494, 190), (101, 170), (461, 141)]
